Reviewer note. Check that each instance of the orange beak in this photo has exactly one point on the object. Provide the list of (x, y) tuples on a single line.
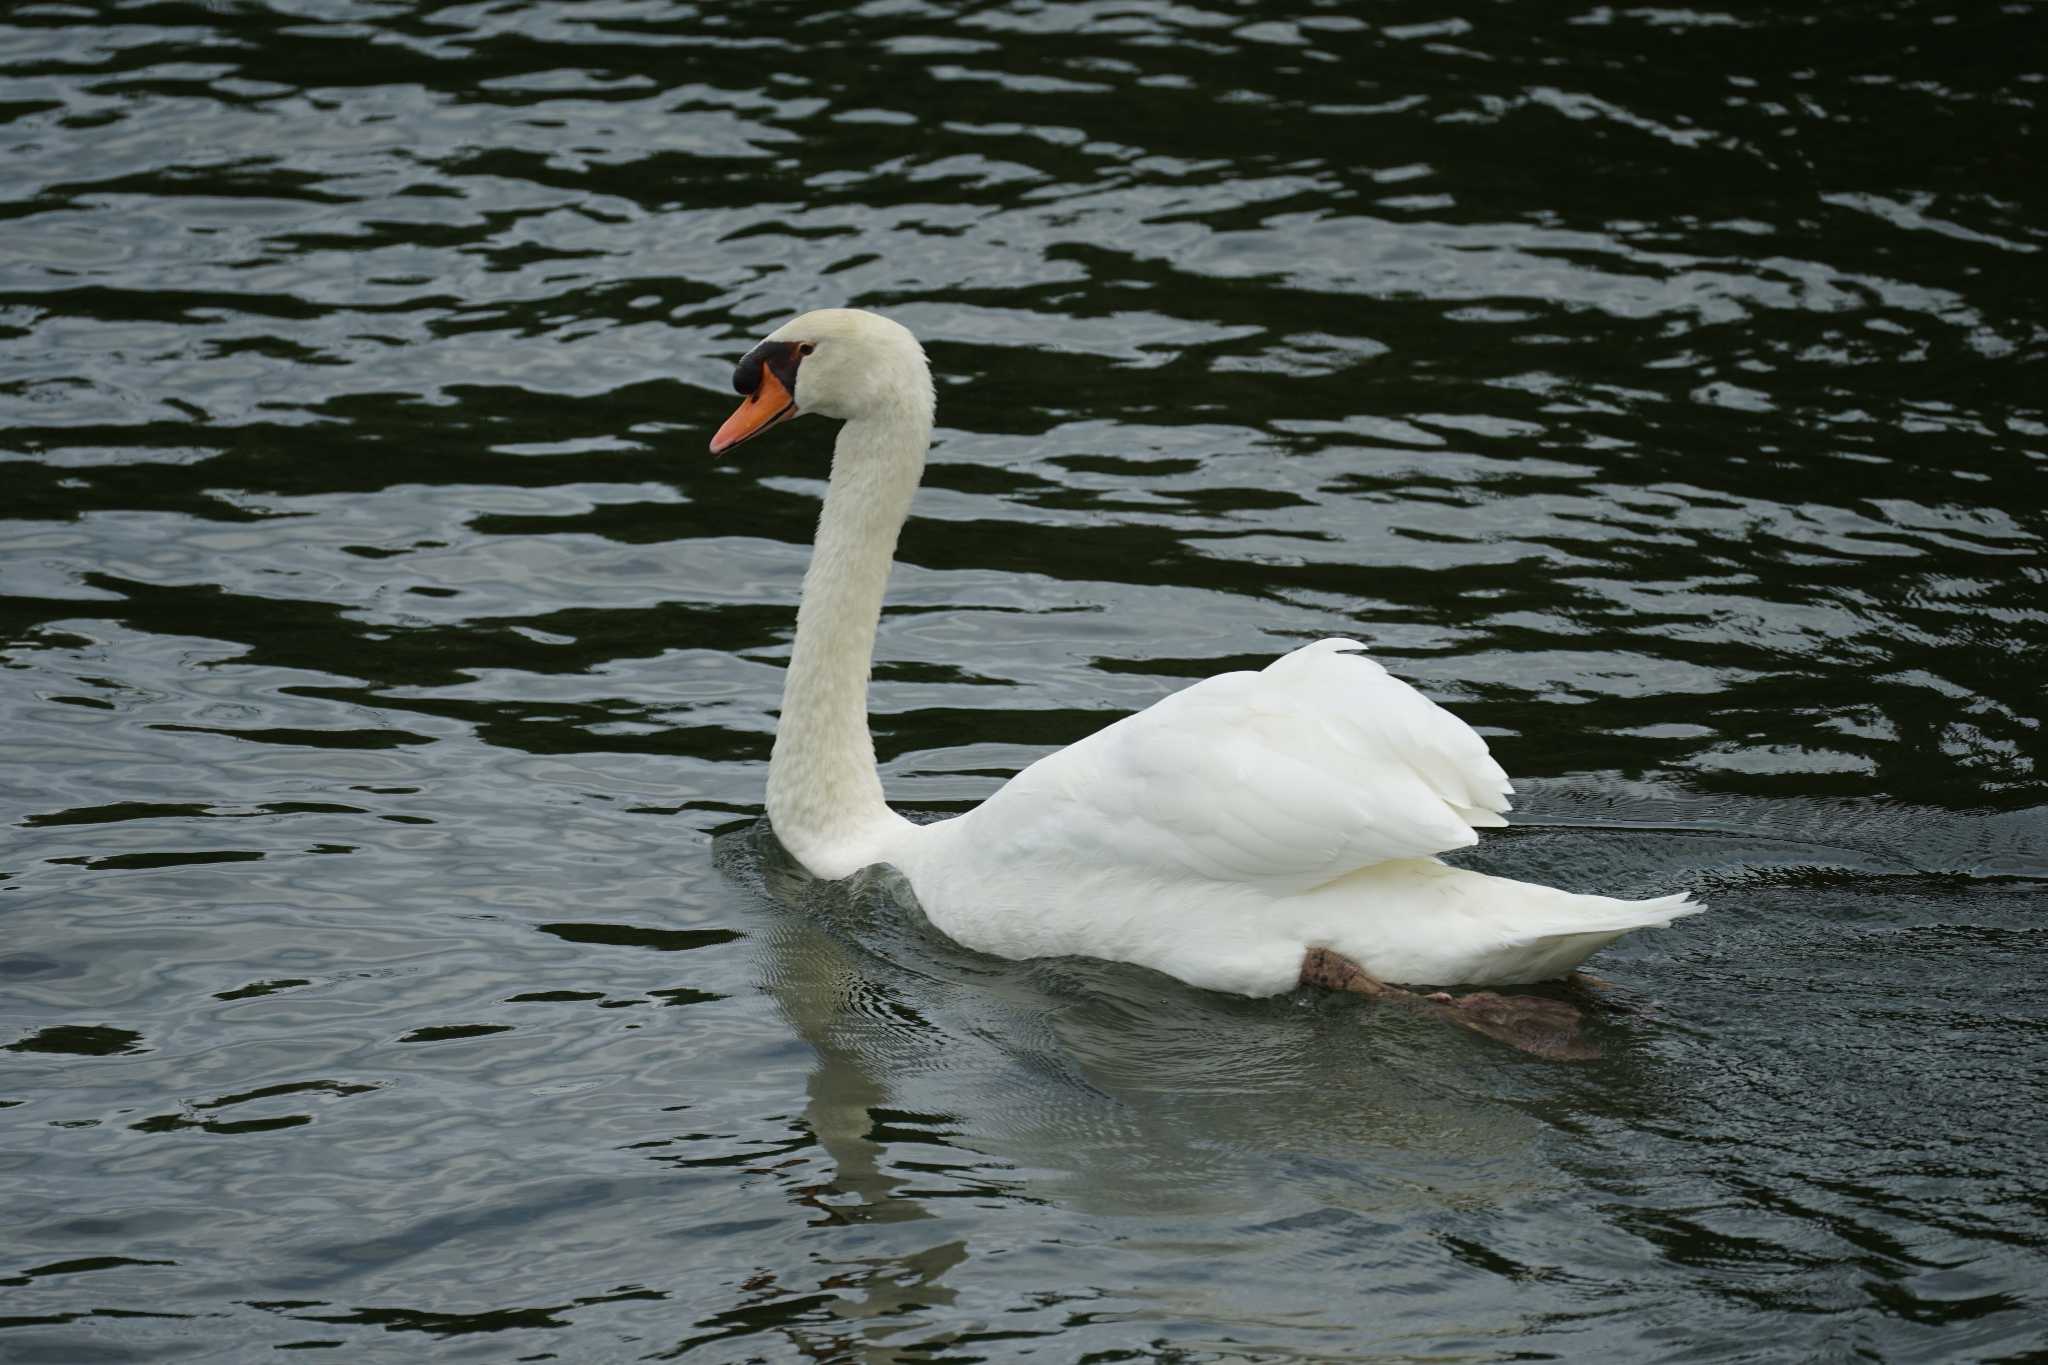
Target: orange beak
[(769, 404)]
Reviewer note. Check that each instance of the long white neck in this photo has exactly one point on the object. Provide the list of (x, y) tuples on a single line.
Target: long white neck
[(824, 795)]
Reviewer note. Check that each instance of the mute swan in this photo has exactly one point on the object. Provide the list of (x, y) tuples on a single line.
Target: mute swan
[(1252, 833)]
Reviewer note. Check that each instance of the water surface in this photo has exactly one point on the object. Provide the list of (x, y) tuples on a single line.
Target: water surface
[(391, 957)]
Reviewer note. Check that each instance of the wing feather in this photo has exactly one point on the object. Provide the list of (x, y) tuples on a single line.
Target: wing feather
[(1319, 764)]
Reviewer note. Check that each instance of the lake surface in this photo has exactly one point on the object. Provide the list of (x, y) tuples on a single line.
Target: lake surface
[(392, 959)]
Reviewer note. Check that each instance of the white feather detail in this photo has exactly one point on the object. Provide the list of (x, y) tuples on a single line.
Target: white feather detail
[(1317, 765)]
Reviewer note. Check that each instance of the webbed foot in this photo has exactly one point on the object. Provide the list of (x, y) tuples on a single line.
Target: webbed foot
[(1535, 1024)]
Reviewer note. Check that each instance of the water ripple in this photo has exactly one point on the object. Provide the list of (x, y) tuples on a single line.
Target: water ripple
[(394, 960)]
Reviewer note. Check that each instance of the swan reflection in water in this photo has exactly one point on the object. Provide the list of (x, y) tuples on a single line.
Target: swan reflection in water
[(1110, 1086), (948, 1084)]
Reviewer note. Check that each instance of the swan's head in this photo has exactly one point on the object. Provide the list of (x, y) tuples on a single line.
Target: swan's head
[(841, 362)]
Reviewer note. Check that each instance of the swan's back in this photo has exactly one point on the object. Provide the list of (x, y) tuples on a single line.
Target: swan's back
[(1318, 765)]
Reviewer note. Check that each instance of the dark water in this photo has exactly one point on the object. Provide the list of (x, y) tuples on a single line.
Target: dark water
[(391, 960)]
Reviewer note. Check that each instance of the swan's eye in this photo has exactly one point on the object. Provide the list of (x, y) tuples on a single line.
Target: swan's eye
[(805, 349)]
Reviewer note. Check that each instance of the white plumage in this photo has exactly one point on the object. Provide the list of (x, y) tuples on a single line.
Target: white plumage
[(1217, 836)]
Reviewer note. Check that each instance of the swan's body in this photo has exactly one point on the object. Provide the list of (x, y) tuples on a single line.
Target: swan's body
[(1220, 836)]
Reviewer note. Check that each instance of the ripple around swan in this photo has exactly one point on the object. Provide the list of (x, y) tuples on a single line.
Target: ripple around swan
[(390, 953)]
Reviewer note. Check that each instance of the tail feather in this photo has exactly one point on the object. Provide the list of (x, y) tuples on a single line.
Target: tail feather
[(1417, 921), (1545, 955), (1605, 915)]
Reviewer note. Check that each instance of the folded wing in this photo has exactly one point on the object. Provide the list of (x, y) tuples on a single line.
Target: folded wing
[(1319, 764)]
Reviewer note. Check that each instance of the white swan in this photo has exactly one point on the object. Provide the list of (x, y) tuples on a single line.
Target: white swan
[(1250, 833)]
